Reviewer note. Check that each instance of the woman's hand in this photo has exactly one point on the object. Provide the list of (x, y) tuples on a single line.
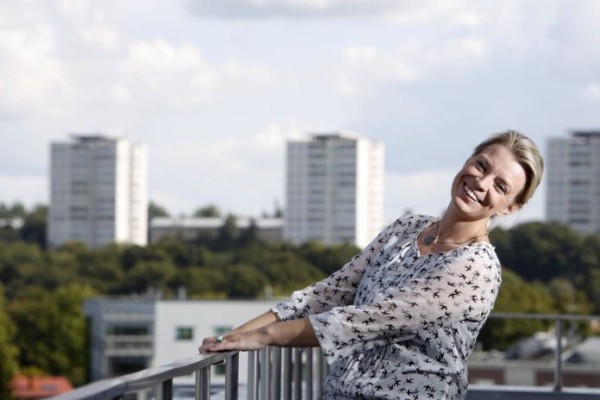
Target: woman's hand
[(238, 341)]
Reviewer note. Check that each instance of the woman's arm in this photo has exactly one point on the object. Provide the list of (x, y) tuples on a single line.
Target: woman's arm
[(264, 319), (293, 333)]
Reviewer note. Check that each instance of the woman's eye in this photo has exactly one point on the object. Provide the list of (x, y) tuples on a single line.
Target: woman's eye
[(501, 188), (479, 165)]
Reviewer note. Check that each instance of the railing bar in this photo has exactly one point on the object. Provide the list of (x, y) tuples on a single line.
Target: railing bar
[(287, 374), (264, 387), (252, 377), (558, 353), (320, 374), (203, 384), (276, 374), (309, 374), (167, 389), (232, 376), (298, 374)]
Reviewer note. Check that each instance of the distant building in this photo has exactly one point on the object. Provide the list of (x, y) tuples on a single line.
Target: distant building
[(131, 334), (38, 387), (98, 191), (334, 189), (573, 181), (267, 229)]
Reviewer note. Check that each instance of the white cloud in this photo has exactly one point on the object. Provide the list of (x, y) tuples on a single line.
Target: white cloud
[(293, 8), (31, 72), (592, 91)]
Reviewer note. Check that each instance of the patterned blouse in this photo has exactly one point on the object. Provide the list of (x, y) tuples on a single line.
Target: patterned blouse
[(394, 324)]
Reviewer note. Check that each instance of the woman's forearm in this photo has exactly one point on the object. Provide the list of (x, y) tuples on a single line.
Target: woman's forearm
[(262, 320), (294, 333)]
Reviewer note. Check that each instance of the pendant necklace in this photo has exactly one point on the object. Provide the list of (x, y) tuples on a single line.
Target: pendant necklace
[(429, 239)]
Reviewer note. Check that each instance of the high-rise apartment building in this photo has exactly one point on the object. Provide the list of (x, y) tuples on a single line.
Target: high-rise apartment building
[(573, 181), (98, 191), (334, 189)]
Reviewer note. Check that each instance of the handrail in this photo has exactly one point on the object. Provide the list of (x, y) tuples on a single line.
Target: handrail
[(161, 378)]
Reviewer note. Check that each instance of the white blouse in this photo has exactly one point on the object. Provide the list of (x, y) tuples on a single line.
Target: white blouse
[(397, 325)]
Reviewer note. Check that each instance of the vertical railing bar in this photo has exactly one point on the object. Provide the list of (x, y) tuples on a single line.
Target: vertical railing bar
[(203, 384), (232, 376), (158, 391), (168, 389), (558, 366), (309, 374), (263, 380), (287, 373), (298, 374), (276, 374), (252, 377), (318, 393), (257, 372)]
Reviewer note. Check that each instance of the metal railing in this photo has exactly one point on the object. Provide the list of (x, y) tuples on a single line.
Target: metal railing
[(297, 374)]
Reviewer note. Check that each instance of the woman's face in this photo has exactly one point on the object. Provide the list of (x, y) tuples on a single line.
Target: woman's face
[(488, 184)]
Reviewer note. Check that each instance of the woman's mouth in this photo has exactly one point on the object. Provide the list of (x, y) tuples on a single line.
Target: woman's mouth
[(471, 194)]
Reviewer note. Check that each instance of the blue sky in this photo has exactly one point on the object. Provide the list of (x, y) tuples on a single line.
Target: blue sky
[(215, 88)]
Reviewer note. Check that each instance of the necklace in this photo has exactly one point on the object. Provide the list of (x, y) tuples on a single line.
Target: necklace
[(429, 239)]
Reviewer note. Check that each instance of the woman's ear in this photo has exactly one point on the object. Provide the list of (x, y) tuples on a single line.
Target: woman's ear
[(510, 209)]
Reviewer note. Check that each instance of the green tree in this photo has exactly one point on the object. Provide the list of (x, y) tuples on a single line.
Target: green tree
[(155, 211), (209, 210), (244, 281), (52, 330), (34, 226), (8, 352)]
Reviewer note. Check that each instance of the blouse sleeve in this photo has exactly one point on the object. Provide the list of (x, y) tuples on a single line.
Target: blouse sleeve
[(337, 289), (462, 289)]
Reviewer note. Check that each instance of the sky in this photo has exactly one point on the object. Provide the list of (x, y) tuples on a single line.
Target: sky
[(216, 88)]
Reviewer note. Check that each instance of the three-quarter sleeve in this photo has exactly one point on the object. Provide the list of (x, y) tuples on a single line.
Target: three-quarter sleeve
[(339, 288), (458, 288)]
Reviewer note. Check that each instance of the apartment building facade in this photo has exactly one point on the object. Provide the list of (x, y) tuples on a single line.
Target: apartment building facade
[(98, 191), (334, 189), (573, 181)]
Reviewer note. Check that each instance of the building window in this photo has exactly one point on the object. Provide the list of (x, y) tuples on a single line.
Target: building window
[(184, 333)]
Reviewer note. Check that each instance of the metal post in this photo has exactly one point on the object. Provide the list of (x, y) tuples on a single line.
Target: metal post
[(252, 376), (298, 374), (164, 390), (276, 374), (287, 374), (309, 374), (263, 391), (558, 368), (232, 376), (203, 384)]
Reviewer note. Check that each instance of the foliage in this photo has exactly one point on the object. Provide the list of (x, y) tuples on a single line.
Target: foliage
[(8, 351), (209, 210), (52, 330)]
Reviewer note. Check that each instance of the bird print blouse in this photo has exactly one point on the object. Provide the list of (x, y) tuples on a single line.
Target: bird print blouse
[(395, 324)]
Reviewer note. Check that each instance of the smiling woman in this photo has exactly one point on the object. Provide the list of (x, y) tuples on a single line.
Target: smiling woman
[(400, 319)]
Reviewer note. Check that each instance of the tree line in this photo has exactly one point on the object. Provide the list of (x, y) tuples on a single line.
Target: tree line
[(547, 268)]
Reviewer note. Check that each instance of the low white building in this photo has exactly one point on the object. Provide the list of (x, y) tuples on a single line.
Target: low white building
[(180, 327), (267, 229), (130, 334)]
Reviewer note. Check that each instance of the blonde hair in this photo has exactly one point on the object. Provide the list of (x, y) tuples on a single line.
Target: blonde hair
[(527, 155)]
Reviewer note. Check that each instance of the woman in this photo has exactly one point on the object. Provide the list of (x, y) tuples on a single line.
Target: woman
[(400, 319)]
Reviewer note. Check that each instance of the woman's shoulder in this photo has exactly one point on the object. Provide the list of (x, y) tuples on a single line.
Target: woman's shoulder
[(479, 252), (413, 222)]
